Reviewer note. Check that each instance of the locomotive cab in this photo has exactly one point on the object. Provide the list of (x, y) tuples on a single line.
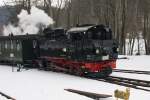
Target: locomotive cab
[(94, 43), (95, 46)]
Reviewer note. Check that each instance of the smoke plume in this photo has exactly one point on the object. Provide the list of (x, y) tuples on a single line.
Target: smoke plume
[(29, 23)]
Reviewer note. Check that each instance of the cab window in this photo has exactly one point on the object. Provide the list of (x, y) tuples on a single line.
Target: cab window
[(99, 34), (76, 36)]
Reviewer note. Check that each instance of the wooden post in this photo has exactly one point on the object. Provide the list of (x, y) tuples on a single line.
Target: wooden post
[(7, 96)]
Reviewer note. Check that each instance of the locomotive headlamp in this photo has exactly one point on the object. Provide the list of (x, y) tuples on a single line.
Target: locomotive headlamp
[(97, 51), (64, 49)]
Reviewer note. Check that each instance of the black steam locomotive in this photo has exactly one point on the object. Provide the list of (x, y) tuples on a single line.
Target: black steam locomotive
[(86, 50)]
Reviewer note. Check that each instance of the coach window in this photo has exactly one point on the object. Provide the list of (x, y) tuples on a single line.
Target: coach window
[(6, 45), (11, 44), (18, 46), (15, 44), (0, 47)]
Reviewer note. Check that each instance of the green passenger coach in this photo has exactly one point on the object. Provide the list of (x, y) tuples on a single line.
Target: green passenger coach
[(19, 49)]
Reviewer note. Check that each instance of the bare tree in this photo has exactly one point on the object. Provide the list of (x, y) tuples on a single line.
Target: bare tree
[(124, 16)]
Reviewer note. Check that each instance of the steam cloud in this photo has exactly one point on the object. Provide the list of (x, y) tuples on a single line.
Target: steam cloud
[(29, 23)]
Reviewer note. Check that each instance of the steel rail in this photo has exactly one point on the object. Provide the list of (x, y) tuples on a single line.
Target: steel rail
[(128, 82), (131, 71), (7, 96)]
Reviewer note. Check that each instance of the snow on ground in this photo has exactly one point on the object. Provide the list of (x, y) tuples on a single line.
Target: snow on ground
[(41, 85), (141, 63), (3, 98), (134, 63)]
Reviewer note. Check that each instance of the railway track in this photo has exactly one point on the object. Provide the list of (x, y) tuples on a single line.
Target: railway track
[(7, 96), (131, 71), (128, 82)]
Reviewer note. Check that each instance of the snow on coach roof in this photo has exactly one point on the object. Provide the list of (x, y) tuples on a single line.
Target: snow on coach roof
[(77, 29), (83, 28)]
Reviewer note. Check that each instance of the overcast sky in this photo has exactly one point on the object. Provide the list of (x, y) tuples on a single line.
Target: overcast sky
[(2, 2)]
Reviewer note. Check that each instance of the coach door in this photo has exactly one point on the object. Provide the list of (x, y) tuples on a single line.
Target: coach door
[(30, 49), (36, 50)]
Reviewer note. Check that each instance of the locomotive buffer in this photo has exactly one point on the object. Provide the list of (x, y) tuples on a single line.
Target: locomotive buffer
[(94, 96)]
